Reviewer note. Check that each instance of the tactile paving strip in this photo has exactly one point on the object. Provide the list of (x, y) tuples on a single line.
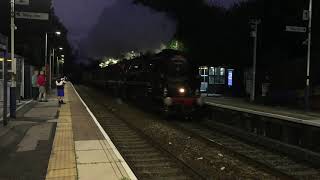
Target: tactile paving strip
[(62, 163)]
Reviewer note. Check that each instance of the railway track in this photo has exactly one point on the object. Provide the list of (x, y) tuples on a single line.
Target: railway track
[(147, 159), (273, 161), (149, 162)]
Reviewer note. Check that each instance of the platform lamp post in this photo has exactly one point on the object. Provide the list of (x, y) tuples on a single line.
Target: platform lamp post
[(62, 63), (51, 64), (4, 50), (58, 63), (14, 68), (307, 90), (58, 33), (62, 57), (254, 25)]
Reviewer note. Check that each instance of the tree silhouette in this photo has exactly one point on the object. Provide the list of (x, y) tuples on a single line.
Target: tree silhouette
[(216, 36)]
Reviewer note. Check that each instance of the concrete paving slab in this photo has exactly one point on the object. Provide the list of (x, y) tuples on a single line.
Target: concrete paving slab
[(88, 145), (34, 135), (101, 171), (49, 112), (12, 124), (91, 156)]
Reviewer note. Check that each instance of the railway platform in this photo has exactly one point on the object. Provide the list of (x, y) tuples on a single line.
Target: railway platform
[(293, 132), (48, 141), (281, 113), (81, 148), (25, 143)]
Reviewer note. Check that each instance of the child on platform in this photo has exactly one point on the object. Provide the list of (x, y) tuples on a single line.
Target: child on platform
[(60, 82)]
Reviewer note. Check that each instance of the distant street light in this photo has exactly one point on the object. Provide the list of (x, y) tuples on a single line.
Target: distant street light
[(58, 33), (60, 48)]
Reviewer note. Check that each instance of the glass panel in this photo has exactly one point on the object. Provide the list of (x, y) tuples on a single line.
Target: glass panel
[(211, 80), (211, 71), (222, 71)]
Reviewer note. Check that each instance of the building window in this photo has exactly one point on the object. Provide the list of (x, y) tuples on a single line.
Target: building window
[(217, 75), (203, 72)]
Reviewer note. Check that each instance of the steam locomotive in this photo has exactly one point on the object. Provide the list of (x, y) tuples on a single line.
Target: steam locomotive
[(165, 80)]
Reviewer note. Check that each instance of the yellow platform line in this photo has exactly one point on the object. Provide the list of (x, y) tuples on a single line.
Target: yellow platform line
[(62, 163)]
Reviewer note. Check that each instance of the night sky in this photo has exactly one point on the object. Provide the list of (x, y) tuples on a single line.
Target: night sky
[(100, 27)]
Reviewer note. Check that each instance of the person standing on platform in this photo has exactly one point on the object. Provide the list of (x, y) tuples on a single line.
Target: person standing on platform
[(41, 81), (35, 89), (60, 82)]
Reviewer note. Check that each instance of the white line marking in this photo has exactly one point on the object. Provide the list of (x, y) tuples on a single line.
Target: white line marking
[(20, 107), (115, 150)]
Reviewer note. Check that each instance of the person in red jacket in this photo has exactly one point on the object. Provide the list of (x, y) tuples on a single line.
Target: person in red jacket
[(41, 82)]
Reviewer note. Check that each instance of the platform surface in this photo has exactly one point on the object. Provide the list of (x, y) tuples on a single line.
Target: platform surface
[(282, 113), (81, 148), (25, 143)]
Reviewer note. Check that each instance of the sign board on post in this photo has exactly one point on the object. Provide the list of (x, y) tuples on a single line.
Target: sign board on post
[(296, 29), (230, 77), (32, 15), (305, 15), (22, 2)]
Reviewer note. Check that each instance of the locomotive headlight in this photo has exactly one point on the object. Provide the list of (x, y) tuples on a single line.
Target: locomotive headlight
[(182, 90)]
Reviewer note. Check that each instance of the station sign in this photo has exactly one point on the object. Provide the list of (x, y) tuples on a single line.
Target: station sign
[(230, 77), (22, 2), (296, 29), (3, 42), (32, 15), (305, 15)]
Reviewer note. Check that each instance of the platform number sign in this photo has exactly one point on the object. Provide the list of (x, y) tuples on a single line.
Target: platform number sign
[(230, 77)]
